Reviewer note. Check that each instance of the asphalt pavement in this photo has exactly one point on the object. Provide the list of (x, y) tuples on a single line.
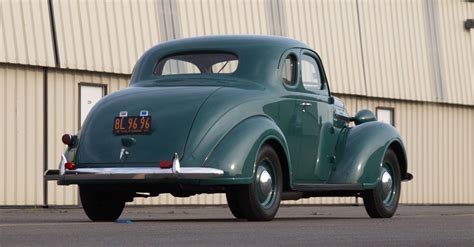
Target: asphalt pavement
[(215, 226)]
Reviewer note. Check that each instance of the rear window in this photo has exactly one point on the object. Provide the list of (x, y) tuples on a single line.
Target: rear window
[(197, 63)]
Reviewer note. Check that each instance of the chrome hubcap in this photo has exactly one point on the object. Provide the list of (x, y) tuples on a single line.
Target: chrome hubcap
[(265, 186), (387, 184), (265, 183)]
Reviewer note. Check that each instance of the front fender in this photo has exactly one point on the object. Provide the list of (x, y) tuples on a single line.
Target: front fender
[(236, 152), (360, 151)]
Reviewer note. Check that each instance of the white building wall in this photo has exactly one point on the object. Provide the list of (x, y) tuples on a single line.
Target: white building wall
[(21, 135)]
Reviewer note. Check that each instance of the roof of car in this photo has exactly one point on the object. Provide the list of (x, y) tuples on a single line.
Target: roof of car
[(235, 41), (258, 54)]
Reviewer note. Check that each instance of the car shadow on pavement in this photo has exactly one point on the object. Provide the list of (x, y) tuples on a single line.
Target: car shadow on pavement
[(278, 219)]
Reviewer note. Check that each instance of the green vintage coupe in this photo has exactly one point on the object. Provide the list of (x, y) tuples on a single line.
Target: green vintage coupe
[(249, 116)]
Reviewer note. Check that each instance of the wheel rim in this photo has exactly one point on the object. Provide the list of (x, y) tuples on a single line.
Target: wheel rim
[(388, 186), (265, 184)]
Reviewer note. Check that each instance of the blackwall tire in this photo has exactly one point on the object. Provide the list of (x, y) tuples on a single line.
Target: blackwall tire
[(382, 201), (260, 200), (100, 205), (232, 197)]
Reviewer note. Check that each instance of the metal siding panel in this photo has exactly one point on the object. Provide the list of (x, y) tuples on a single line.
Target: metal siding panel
[(25, 33), (221, 17), (3, 134), (106, 36), (456, 50), (63, 99), (21, 135), (389, 31)]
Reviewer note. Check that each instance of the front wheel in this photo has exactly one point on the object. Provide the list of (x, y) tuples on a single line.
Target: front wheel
[(100, 205), (260, 200), (382, 201)]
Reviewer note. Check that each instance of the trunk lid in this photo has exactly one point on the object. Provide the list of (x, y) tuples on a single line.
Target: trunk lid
[(172, 110)]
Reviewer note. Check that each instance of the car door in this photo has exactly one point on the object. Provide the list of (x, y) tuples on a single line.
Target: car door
[(285, 111), (317, 138)]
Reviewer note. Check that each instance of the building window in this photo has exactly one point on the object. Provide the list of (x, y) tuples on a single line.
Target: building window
[(89, 94), (386, 115)]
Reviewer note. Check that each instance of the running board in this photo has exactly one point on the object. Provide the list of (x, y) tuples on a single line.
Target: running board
[(328, 187)]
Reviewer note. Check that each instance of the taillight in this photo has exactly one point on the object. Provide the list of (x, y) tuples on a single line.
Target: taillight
[(70, 166), (166, 164), (68, 139)]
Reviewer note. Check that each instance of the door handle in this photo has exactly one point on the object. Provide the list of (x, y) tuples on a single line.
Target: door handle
[(304, 105)]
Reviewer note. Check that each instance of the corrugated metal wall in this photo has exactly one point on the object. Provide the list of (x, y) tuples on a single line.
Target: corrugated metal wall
[(456, 51), (415, 50), (25, 33), (109, 36), (21, 135), (418, 50)]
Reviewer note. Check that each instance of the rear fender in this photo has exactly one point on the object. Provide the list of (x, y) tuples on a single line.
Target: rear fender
[(236, 152), (360, 151)]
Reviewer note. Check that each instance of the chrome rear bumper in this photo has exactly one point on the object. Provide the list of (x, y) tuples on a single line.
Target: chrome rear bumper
[(130, 173)]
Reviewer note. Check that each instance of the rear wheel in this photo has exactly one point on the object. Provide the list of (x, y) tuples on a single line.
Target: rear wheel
[(260, 200), (100, 205), (382, 201)]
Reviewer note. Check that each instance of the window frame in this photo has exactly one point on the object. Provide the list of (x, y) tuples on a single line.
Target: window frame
[(322, 73), (390, 109), (81, 84), (295, 70), (194, 52)]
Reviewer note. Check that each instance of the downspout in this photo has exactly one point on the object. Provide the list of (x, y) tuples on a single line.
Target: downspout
[(45, 99)]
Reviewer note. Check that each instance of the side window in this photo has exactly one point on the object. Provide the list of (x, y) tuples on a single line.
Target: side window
[(289, 70), (310, 74)]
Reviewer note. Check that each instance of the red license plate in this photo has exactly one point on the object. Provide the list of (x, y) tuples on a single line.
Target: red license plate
[(132, 125)]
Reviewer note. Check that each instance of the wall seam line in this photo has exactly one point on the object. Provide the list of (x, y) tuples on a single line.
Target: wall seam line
[(53, 34), (45, 135), (361, 46)]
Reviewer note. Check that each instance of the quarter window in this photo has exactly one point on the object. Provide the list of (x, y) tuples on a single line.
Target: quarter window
[(289, 71), (310, 74)]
